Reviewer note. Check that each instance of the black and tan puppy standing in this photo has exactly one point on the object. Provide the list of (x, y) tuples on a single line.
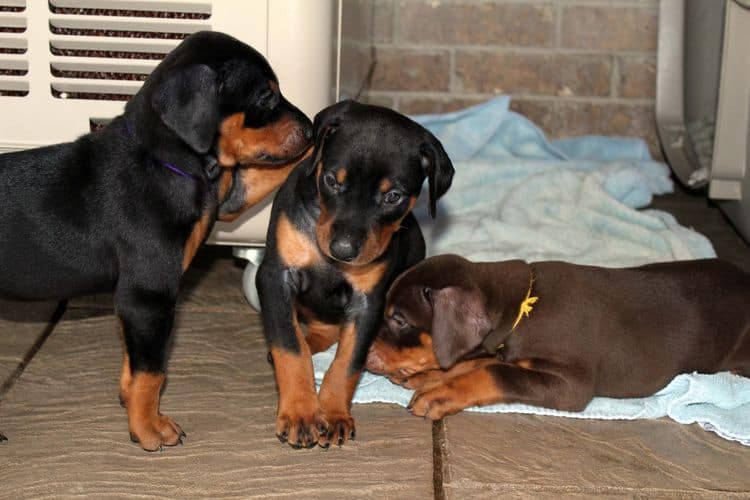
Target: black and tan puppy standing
[(124, 209), (341, 231), (554, 334)]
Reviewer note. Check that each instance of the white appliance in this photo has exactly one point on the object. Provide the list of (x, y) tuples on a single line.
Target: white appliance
[(703, 99), (68, 64)]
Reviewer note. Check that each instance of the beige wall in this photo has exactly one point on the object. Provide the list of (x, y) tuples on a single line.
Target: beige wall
[(572, 66)]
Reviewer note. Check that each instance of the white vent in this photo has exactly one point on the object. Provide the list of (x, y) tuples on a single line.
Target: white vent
[(14, 65), (68, 65), (104, 49)]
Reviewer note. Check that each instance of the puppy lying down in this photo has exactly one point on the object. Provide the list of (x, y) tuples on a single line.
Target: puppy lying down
[(555, 335)]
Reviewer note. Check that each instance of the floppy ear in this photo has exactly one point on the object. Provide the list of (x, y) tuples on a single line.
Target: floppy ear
[(188, 103), (459, 323), (324, 125), (437, 168)]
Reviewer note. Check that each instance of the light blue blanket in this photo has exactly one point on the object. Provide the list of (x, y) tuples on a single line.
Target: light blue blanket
[(516, 195)]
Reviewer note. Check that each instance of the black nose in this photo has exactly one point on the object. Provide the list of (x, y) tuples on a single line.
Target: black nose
[(308, 132), (343, 249)]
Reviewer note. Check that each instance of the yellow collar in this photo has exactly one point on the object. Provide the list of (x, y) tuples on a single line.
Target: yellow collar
[(526, 306), (524, 309)]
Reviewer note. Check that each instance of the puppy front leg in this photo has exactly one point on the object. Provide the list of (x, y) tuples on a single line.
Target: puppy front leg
[(146, 316), (341, 379), (300, 420), (500, 383), (424, 380)]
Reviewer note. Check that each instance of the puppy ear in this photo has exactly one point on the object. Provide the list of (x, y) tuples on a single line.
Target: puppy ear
[(324, 126), (188, 103), (437, 168), (317, 153), (459, 323)]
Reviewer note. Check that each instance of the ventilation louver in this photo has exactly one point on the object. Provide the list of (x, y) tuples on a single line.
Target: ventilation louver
[(105, 49), (14, 64)]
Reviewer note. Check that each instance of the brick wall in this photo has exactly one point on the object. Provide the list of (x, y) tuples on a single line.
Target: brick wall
[(572, 66)]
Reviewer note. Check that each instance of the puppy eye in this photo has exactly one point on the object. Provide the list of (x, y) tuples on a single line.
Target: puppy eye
[(330, 181), (267, 98), (392, 198), (427, 295)]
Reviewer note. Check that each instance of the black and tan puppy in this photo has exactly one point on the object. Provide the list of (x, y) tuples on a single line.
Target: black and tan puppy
[(341, 231), (555, 335), (124, 209)]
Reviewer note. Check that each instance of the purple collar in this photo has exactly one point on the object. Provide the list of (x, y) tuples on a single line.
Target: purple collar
[(174, 169)]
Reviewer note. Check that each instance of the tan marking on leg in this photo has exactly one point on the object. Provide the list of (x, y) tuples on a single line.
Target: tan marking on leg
[(197, 236), (299, 416), (126, 379), (147, 425), (337, 389), (296, 250)]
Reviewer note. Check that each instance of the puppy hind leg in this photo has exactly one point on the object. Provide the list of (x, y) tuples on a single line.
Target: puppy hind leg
[(146, 317)]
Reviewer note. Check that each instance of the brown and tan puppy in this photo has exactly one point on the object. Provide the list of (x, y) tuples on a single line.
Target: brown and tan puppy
[(554, 334)]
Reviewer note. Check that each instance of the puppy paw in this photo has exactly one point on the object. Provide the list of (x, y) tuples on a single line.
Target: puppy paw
[(301, 425), (154, 431), (341, 429), (436, 402)]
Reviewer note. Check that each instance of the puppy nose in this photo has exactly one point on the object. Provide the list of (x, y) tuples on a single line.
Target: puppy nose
[(307, 131), (343, 249)]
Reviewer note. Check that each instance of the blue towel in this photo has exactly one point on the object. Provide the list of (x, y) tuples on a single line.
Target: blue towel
[(517, 195)]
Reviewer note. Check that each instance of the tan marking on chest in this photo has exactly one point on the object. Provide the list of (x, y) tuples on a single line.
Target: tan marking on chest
[(320, 335), (296, 250), (364, 278), (197, 236)]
